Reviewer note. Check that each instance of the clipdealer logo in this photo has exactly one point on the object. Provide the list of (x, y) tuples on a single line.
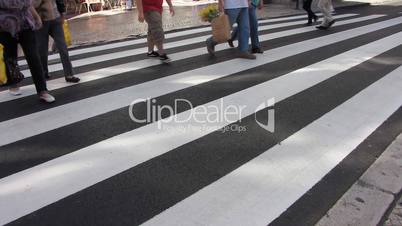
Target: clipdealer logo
[(206, 117), (270, 124)]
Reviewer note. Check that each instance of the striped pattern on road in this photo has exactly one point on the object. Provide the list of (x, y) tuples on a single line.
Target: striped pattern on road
[(86, 151)]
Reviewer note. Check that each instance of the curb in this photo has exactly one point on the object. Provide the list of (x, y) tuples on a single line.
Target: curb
[(372, 197)]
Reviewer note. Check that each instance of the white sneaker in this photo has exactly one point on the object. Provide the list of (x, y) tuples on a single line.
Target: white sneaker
[(15, 91), (47, 97)]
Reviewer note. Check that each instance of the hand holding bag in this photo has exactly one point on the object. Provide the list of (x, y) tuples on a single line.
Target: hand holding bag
[(14, 74)]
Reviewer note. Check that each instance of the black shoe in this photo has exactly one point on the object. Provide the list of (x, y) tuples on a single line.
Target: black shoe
[(152, 54), (72, 79), (164, 58), (257, 50), (210, 48), (315, 18), (331, 23), (308, 23), (230, 42), (320, 27), (246, 55)]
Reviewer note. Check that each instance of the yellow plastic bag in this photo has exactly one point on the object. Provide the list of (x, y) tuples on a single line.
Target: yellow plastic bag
[(3, 75), (67, 34)]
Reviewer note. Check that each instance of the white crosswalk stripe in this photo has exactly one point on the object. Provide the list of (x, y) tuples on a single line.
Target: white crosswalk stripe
[(255, 193)]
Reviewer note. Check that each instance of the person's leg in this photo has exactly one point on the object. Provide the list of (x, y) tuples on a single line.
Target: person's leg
[(324, 6), (234, 34), (233, 15), (57, 33), (10, 45), (154, 20), (315, 17), (255, 42), (307, 8), (330, 8), (244, 29), (27, 39), (150, 42), (151, 45), (28, 43), (211, 43), (241, 16), (42, 38)]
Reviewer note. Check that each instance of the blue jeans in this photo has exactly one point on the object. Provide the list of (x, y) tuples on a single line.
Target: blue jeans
[(255, 42), (239, 16)]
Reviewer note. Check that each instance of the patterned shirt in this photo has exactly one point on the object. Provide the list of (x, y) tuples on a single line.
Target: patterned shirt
[(15, 16)]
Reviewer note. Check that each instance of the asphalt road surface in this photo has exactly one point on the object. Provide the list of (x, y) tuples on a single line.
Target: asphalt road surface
[(206, 140)]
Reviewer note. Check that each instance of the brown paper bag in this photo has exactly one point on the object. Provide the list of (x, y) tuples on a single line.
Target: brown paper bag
[(221, 28)]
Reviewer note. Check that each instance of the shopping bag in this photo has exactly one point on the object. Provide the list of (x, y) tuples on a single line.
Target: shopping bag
[(221, 28), (3, 75), (67, 34)]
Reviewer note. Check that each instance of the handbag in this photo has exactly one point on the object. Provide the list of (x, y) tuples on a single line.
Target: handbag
[(10, 72), (67, 34), (13, 72), (221, 28)]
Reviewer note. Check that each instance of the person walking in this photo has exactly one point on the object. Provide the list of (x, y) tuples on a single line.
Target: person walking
[(237, 11), (252, 12), (326, 8), (51, 13), (151, 12), (311, 15), (18, 20)]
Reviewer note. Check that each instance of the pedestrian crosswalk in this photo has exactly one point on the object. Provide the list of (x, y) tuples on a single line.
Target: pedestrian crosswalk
[(131, 52), (91, 107), (173, 35), (122, 68), (85, 161)]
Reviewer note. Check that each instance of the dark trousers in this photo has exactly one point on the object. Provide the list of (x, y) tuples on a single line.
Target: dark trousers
[(27, 40), (307, 7), (53, 28)]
